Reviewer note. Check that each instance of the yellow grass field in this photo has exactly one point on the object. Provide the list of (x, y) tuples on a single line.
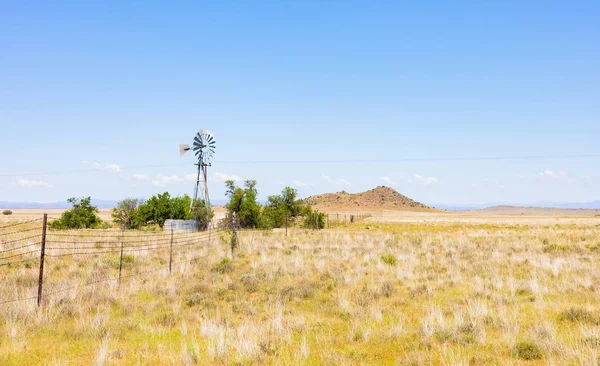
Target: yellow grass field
[(395, 289)]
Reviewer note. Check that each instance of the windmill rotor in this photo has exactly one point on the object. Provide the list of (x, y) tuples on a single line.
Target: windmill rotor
[(204, 145)]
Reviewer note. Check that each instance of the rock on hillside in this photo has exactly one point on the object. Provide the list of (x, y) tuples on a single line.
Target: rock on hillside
[(380, 197)]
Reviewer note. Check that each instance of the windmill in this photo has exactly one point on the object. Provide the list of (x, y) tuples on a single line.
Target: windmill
[(204, 149)]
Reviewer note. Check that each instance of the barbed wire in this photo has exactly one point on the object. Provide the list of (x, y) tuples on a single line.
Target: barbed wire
[(118, 248), (19, 223), (116, 278), (18, 240), (139, 239), (20, 231), (21, 261), (123, 242), (17, 248), (165, 235)]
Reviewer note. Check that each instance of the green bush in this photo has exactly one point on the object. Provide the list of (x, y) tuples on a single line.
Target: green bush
[(224, 266), (279, 207), (242, 202), (81, 216), (193, 299), (527, 350), (314, 219), (126, 213), (389, 259), (579, 315), (7, 212), (162, 207)]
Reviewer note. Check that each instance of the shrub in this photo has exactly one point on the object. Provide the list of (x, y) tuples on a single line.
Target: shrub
[(161, 207), (193, 299), (579, 315), (527, 350), (7, 212), (242, 202), (126, 212), (389, 259), (81, 216), (224, 266), (279, 207), (250, 282), (128, 259), (314, 219)]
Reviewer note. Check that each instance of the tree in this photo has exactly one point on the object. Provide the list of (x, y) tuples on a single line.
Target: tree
[(279, 207), (161, 207), (314, 219), (7, 212), (243, 202), (81, 216), (202, 214), (126, 213)]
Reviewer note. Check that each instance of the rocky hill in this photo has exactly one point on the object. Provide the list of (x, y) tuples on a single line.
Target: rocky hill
[(378, 198)]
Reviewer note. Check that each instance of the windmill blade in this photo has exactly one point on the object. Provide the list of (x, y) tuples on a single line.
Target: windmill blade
[(183, 148)]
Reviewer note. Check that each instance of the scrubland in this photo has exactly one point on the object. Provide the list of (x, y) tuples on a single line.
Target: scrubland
[(407, 293)]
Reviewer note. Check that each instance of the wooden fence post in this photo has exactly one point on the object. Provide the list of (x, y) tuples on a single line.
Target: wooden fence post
[(171, 251), (234, 229), (43, 252), (121, 257)]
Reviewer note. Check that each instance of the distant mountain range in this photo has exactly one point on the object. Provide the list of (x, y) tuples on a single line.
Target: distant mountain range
[(443, 206), (542, 204), (65, 204)]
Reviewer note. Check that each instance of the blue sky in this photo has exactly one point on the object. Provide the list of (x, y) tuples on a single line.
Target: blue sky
[(100, 91)]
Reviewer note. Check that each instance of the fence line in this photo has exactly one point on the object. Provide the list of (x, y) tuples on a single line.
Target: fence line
[(84, 244), (335, 220)]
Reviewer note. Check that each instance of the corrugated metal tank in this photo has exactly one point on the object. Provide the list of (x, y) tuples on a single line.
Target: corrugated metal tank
[(181, 226)]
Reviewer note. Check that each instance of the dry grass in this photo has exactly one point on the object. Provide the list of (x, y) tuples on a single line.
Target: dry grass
[(449, 293)]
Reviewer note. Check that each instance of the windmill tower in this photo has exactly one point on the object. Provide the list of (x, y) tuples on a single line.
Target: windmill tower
[(204, 149)]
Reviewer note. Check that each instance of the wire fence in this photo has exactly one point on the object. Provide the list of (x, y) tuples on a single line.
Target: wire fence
[(334, 220), (37, 255)]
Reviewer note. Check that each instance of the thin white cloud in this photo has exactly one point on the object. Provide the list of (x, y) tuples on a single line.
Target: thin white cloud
[(225, 177), (103, 166), (560, 176), (31, 183), (141, 177), (164, 180), (326, 178), (342, 182), (388, 180), (425, 180), (550, 174), (300, 184)]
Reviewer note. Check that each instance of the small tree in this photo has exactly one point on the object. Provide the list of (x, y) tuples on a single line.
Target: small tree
[(281, 206), (7, 212), (126, 213), (81, 216), (243, 202), (314, 219), (161, 207), (202, 214)]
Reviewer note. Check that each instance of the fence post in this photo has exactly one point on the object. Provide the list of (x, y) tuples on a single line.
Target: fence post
[(43, 251), (234, 229), (171, 251), (121, 257)]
